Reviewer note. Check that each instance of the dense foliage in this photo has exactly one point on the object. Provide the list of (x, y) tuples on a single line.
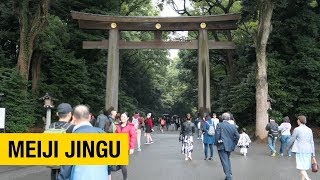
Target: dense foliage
[(149, 80), (293, 62)]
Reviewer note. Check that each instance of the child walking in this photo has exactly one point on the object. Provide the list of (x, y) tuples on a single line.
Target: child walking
[(244, 142)]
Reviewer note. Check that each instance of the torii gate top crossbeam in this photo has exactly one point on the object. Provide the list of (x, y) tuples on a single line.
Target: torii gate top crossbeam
[(151, 23)]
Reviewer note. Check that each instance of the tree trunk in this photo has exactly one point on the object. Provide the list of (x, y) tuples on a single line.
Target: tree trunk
[(36, 68), (23, 56), (31, 23), (264, 29)]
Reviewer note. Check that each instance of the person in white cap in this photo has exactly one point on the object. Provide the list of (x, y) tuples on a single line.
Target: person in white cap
[(149, 129)]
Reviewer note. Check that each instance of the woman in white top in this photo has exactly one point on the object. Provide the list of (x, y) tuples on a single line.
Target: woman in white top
[(285, 128)]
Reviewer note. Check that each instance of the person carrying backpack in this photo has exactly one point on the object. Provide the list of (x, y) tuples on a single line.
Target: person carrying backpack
[(110, 123), (106, 121), (208, 130), (273, 132), (64, 112), (101, 119)]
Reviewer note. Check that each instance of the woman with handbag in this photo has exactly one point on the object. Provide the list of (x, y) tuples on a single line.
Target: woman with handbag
[(302, 144)]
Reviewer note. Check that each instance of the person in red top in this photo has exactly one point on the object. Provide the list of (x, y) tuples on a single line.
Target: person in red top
[(149, 129), (127, 127)]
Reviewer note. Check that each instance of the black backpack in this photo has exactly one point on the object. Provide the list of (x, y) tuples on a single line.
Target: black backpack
[(274, 130)]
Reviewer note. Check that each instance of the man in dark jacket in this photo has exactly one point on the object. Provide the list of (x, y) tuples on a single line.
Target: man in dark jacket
[(273, 131), (226, 137)]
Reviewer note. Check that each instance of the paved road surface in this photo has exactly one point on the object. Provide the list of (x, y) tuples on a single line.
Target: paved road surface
[(163, 161)]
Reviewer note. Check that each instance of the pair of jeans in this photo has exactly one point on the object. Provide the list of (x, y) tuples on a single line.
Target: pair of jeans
[(284, 141), (199, 133), (272, 144), (206, 150), (226, 164)]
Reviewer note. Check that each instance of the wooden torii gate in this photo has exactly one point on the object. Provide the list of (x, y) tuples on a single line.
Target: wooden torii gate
[(114, 24)]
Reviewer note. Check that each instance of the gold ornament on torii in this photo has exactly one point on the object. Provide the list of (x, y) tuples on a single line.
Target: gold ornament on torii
[(203, 25), (158, 26), (113, 25)]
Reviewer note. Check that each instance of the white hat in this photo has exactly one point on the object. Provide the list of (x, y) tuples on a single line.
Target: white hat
[(149, 115)]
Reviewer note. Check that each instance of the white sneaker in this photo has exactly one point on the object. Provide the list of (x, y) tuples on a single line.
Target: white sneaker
[(146, 143), (139, 149), (186, 159)]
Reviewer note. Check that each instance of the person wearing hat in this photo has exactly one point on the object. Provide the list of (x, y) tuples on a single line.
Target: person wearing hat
[(64, 112)]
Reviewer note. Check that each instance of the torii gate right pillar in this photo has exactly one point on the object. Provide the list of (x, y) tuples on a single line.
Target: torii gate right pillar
[(203, 72)]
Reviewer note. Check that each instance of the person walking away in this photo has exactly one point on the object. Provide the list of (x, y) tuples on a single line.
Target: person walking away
[(208, 137), (177, 121), (149, 129), (101, 119), (202, 123), (81, 118), (302, 144), (227, 137), (285, 128), (142, 124), (244, 142), (167, 118), (137, 121), (106, 121), (64, 113), (215, 120), (197, 123), (93, 120), (162, 123), (126, 127), (187, 131), (273, 131), (111, 122)]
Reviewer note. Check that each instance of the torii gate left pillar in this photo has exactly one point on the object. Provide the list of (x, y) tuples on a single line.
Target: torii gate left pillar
[(112, 80)]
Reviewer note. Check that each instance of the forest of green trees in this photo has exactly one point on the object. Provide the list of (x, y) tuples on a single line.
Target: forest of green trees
[(41, 51)]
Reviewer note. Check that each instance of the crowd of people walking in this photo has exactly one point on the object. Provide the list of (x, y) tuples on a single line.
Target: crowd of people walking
[(221, 132), (300, 142)]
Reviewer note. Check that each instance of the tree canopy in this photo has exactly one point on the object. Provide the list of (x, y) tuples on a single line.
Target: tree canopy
[(150, 81)]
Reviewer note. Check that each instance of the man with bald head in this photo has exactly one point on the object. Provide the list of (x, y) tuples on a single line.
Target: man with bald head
[(227, 137), (81, 119)]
